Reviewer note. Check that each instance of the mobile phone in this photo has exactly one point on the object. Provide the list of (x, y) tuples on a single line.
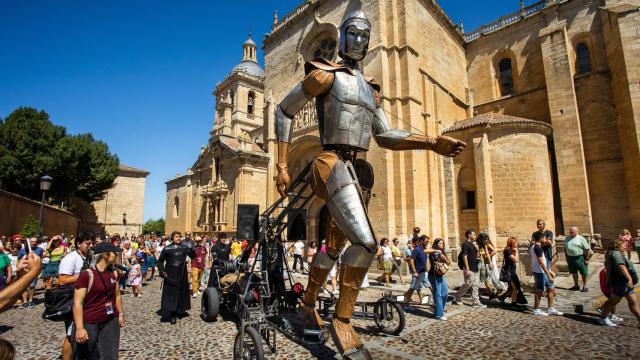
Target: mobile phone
[(27, 246)]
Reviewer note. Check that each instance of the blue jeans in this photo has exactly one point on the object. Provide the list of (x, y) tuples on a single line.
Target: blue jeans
[(440, 293)]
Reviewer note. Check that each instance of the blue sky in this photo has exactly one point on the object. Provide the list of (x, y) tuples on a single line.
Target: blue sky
[(139, 74)]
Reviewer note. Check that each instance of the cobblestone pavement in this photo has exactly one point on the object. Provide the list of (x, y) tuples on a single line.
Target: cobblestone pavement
[(492, 333)]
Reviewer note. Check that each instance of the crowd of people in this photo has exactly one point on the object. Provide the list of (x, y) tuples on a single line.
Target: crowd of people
[(428, 263), (100, 270)]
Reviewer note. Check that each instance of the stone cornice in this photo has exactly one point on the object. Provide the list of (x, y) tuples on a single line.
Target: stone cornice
[(239, 76), (289, 20)]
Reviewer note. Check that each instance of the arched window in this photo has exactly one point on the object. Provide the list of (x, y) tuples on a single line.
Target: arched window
[(505, 72), (176, 206), (583, 58), (250, 102)]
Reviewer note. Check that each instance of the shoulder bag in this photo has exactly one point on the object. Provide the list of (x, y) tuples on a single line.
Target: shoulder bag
[(440, 268)]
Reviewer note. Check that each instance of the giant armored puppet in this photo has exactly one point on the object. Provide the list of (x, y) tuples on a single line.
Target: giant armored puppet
[(349, 115)]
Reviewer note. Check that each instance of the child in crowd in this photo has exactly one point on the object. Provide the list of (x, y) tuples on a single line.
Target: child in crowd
[(135, 276)]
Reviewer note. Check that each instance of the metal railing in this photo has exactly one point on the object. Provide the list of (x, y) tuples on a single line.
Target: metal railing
[(506, 20)]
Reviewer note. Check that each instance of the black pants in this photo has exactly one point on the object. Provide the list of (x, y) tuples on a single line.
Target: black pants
[(103, 344), (297, 258)]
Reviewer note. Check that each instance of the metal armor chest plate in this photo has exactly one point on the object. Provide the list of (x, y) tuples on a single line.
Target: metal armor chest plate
[(345, 114)]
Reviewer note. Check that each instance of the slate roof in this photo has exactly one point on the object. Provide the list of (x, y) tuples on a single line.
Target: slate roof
[(491, 119)]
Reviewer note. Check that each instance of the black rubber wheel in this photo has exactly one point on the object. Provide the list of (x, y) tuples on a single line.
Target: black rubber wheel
[(252, 348), (210, 305), (392, 319)]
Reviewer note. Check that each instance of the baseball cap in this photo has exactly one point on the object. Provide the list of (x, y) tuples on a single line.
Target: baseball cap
[(105, 247)]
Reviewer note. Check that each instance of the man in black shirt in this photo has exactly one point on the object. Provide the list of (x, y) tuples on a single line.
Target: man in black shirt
[(221, 249), (547, 240), (470, 268)]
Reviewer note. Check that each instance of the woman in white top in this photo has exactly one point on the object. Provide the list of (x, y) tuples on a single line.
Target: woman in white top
[(385, 259)]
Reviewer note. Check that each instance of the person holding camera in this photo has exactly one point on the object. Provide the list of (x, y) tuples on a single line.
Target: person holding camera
[(97, 307)]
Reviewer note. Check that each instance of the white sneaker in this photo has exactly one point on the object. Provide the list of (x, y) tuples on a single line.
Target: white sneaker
[(194, 295), (614, 317), (554, 311), (606, 322), (442, 318), (538, 312), (478, 305)]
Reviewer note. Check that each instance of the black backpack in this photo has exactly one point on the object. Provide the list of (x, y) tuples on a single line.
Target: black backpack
[(58, 303), (460, 261)]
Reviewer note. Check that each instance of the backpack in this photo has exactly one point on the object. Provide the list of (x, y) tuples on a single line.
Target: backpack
[(460, 261), (58, 302)]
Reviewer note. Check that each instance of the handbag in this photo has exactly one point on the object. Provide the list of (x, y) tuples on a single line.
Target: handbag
[(505, 275), (380, 264), (441, 268)]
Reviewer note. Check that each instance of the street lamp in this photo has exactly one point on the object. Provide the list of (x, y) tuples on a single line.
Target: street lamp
[(45, 185)]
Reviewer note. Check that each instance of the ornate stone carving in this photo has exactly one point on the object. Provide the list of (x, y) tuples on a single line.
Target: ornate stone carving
[(306, 117)]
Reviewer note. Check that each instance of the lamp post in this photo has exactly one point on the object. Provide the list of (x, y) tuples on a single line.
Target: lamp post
[(45, 185), (124, 222)]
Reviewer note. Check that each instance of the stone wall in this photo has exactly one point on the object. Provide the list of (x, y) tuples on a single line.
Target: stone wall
[(521, 182), (588, 111), (621, 29), (126, 196), (16, 209), (178, 194)]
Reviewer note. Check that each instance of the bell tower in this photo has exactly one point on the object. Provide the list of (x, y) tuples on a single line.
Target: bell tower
[(249, 50)]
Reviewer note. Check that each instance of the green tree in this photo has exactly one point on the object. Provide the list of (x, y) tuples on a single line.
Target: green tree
[(26, 140), (32, 146), (153, 226), (30, 227)]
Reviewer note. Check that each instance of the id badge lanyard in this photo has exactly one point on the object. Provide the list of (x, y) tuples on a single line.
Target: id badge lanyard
[(108, 305)]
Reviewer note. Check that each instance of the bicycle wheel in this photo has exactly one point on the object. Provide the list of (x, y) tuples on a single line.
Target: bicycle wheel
[(389, 317), (251, 348)]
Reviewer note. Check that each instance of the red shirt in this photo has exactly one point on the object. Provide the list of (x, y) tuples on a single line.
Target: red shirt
[(200, 258), (95, 303)]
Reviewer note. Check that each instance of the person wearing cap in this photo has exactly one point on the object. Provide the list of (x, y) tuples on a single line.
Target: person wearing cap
[(70, 268), (97, 307), (197, 266), (172, 266)]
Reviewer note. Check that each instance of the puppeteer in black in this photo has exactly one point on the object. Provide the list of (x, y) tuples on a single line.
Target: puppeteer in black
[(172, 265)]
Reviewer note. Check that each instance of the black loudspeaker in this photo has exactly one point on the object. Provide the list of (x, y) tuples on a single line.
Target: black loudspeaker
[(297, 225), (247, 225)]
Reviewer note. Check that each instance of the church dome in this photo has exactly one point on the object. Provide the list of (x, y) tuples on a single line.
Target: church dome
[(249, 64), (249, 67)]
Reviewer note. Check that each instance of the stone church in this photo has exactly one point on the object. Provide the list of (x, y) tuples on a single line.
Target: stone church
[(547, 98)]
